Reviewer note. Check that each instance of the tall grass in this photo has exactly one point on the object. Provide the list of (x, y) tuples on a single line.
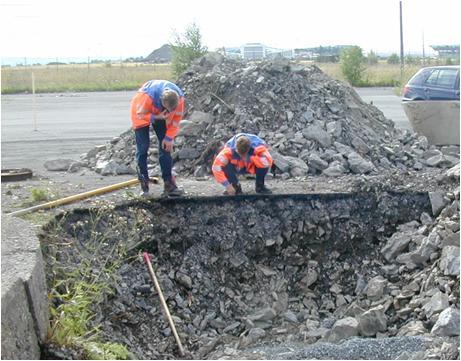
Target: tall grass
[(110, 77), (81, 77), (379, 75)]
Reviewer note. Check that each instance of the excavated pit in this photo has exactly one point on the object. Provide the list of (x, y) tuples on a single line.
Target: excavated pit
[(282, 265)]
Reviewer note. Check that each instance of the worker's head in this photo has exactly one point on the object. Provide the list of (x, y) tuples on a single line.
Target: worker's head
[(243, 145), (170, 100)]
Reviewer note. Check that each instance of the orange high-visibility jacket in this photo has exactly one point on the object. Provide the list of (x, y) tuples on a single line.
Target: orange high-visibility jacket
[(147, 102), (258, 157)]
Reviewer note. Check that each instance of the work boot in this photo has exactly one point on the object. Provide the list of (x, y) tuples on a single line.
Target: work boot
[(144, 187), (237, 187), (170, 189), (262, 189)]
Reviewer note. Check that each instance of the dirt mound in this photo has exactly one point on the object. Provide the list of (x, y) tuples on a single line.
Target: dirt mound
[(160, 55)]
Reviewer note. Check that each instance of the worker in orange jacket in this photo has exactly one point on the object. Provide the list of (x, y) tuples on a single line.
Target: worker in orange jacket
[(160, 103), (243, 153)]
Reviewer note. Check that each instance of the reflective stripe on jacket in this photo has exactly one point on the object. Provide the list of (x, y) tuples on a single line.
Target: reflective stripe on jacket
[(147, 102), (258, 157)]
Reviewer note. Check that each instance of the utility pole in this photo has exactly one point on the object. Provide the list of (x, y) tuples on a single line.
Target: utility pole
[(401, 44)]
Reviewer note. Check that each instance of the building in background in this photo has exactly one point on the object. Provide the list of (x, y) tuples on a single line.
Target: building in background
[(253, 51), (447, 51), (284, 53), (321, 53)]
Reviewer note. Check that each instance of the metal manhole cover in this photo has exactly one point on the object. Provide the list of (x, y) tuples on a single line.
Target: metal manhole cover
[(16, 174)]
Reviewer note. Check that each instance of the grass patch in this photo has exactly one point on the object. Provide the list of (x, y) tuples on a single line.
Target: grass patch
[(71, 322), (379, 75), (38, 196), (81, 78)]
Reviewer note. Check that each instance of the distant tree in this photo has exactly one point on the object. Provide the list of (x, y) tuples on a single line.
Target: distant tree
[(372, 58), (393, 59), (412, 60), (186, 48), (352, 64), (448, 61)]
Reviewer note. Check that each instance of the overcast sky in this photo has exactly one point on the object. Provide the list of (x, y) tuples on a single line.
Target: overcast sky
[(121, 29)]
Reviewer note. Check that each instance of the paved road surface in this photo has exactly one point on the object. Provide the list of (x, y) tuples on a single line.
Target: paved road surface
[(68, 125), (388, 102)]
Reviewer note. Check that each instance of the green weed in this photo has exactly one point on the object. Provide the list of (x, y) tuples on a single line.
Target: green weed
[(39, 195), (80, 280), (106, 351)]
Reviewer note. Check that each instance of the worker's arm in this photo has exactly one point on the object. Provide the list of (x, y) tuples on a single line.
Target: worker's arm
[(262, 158), (219, 163), (173, 120), (172, 125)]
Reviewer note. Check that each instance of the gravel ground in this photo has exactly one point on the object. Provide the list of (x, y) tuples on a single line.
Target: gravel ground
[(353, 349)]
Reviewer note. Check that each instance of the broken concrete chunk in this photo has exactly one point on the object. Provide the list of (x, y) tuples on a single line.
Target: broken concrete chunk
[(448, 323), (395, 245), (372, 321), (437, 303), (359, 165), (449, 262), (438, 201), (56, 165), (376, 288), (263, 315), (343, 329)]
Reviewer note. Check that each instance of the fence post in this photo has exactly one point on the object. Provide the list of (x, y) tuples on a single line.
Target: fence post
[(34, 108)]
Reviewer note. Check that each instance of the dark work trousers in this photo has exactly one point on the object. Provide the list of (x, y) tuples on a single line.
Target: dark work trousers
[(142, 148), (231, 174)]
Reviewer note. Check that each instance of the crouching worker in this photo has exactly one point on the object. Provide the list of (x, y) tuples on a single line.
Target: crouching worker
[(159, 103), (243, 153)]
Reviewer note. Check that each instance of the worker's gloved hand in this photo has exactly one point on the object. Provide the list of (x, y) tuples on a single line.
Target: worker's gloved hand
[(167, 145)]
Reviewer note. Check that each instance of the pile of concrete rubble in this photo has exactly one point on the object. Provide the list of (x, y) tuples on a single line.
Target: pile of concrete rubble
[(313, 124)]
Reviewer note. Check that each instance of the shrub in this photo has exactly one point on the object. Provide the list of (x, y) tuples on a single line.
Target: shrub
[(186, 48), (352, 64), (393, 59)]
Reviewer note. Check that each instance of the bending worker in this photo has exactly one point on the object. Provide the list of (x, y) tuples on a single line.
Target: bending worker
[(160, 103), (243, 153)]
